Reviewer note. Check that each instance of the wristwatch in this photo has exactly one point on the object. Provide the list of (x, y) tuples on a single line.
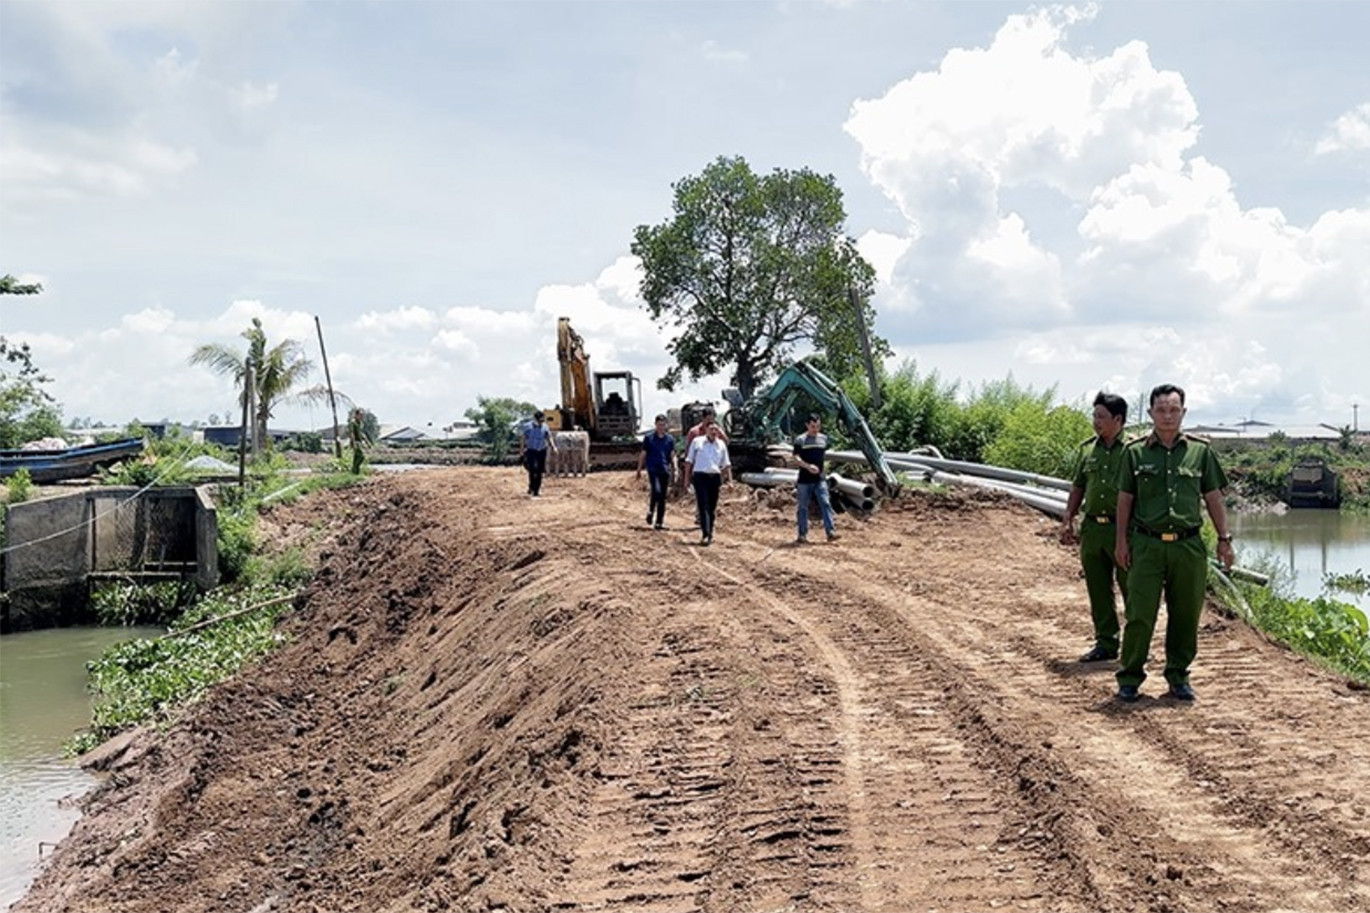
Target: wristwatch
[(1227, 538)]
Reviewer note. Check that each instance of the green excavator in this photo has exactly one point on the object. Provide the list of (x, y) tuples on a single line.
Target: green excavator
[(756, 425)]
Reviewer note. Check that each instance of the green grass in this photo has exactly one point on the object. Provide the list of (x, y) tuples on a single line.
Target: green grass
[(1330, 631), (147, 681)]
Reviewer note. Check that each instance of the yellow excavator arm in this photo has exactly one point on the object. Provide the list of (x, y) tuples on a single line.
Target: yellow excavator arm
[(576, 396)]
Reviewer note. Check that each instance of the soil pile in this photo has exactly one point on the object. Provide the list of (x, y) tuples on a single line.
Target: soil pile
[(499, 703)]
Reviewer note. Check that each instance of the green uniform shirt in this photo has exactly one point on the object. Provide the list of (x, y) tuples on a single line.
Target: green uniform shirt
[(1096, 472), (1169, 485)]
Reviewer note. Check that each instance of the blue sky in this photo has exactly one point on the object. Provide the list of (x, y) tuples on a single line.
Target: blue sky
[(1111, 195)]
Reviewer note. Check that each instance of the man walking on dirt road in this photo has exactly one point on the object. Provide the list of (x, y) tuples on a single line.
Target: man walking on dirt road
[(708, 466), (706, 418), (1095, 488), (536, 440), (809, 450), (1163, 479), (658, 458)]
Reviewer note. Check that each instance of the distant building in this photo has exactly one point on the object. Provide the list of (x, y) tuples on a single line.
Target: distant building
[(1255, 431)]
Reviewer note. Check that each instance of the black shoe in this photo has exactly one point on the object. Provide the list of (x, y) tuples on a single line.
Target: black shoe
[(659, 526), (832, 537), (801, 540), (1128, 694), (1098, 655), (1182, 692), (649, 519)]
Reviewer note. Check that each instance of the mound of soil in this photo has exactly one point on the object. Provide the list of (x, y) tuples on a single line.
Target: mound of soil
[(491, 702)]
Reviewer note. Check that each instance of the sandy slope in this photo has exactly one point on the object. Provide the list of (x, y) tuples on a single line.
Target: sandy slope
[(500, 703)]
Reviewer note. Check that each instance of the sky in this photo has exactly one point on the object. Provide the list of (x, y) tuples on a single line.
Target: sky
[(1085, 197)]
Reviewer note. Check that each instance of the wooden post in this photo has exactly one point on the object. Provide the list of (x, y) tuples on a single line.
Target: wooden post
[(865, 346), (332, 402), (242, 433)]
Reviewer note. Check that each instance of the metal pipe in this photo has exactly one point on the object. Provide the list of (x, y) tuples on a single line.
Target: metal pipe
[(771, 478), (971, 469), (850, 487)]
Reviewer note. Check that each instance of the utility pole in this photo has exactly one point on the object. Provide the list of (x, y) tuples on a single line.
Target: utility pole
[(242, 432), (1355, 416), (865, 346), (337, 440)]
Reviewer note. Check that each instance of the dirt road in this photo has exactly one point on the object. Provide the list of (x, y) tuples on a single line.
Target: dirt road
[(497, 703)]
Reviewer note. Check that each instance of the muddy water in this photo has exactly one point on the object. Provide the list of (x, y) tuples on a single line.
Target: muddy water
[(1310, 544), (43, 701)]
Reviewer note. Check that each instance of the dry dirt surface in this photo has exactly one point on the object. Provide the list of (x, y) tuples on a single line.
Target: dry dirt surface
[(492, 702)]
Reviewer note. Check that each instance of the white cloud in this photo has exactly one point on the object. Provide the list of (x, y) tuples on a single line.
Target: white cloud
[(713, 51), (1166, 275), (404, 318), (1350, 132)]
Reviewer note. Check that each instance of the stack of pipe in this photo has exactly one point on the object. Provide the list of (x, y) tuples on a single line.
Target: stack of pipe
[(1045, 493)]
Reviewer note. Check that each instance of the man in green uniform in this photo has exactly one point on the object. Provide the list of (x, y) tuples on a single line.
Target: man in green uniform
[(1163, 479), (1095, 488)]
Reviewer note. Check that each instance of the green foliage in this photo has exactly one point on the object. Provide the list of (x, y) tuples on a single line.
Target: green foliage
[(1357, 582), (144, 472), (237, 539), (926, 411), (27, 411), (914, 410), (984, 416), (305, 442), (1041, 440), (1326, 628), (748, 267), (145, 681), (287, 570), (18, 487), (124, 604), (496, 417)]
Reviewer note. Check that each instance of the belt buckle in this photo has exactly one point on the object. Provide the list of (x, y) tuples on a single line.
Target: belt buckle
[(1170, 537), (1102, 520)]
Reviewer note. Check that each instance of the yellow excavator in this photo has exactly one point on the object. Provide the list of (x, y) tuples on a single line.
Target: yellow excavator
[(607, 405)]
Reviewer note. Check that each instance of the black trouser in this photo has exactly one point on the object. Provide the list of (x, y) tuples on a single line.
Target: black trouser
[(658, 480), (706, 486), (536, 461)]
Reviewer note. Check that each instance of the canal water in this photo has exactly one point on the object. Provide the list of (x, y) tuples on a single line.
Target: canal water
[(43, 702), (1309, 544)]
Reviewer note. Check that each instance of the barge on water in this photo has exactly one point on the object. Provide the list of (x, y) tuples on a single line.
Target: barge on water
[(47, 466)]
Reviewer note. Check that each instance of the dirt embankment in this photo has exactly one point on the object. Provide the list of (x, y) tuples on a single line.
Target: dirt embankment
[(496, 703)]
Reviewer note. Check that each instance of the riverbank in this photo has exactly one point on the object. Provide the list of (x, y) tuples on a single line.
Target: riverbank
[(491, 702)]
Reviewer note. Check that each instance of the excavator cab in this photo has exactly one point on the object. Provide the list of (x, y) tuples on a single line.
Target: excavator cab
[(616, 410)]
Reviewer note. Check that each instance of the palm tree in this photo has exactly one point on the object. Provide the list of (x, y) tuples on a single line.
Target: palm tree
[(275, 371)]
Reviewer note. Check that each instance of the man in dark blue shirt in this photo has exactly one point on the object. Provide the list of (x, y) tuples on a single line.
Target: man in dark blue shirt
[(658, 457), (535, 441), (809, 450)]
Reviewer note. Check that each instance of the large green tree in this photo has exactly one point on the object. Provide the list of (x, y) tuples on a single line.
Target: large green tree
[(495, 417), (27, 411), (749, 267), (277, 372)]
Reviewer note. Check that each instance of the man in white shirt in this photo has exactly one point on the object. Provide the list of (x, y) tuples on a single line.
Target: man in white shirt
[(708, 468)]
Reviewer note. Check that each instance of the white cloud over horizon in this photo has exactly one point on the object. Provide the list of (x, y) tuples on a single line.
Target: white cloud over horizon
[(1035, 199)]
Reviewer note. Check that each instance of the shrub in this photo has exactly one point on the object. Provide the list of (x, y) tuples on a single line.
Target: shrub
[(1036, 439), (18, 487)]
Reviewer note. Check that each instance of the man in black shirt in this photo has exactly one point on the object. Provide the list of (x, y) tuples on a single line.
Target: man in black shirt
[(809, 450)]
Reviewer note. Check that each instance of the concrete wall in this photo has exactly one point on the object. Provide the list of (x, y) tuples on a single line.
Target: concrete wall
[(55, 543), (43, 570)]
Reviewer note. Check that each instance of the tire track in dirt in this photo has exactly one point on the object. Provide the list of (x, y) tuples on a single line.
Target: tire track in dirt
[(1212, 804)]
